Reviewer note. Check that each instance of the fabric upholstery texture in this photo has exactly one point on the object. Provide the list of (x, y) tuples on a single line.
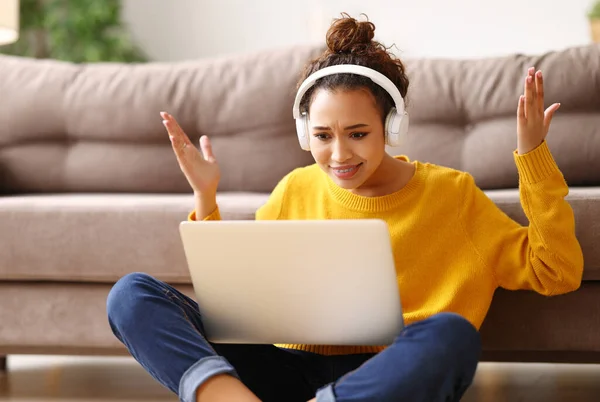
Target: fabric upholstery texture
[(90, 188), (71, 318), (100, 238)]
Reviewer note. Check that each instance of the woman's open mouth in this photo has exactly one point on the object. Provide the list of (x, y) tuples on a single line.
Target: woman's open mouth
[(345, 172)]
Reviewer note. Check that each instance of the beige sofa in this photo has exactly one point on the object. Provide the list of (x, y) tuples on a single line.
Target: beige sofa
[(91, 189)]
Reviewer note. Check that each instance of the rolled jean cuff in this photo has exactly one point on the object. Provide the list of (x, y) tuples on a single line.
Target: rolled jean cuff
[(326, 394), (200, 372)]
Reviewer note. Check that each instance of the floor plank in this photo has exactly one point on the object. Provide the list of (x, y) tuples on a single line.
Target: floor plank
[(121, 379), (533, 382)]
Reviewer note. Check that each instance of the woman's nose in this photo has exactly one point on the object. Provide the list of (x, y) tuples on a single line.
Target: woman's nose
[(341, 152)]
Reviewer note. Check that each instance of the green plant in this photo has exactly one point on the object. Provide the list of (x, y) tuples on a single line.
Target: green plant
[(79, 31), (594, 13)]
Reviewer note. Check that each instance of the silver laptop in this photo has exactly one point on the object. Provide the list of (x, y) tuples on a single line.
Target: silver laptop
[(319, 282)]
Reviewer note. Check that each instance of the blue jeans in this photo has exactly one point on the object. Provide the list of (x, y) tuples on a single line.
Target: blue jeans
[(432, 360)]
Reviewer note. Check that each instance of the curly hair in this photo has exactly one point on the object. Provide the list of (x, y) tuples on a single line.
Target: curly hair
[(350, 41)]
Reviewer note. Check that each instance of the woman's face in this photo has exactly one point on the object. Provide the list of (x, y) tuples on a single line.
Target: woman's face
[(346, 135)]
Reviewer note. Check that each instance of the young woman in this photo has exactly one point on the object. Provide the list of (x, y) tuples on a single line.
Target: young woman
[(447, 273)]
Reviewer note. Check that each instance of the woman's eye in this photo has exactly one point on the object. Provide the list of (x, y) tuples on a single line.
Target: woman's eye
[(321, 136), (358, 135)]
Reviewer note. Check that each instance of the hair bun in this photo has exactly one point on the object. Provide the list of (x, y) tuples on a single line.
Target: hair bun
[(347, 33)]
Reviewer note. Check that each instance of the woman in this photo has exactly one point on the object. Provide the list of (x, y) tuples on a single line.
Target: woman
[(453, 247)]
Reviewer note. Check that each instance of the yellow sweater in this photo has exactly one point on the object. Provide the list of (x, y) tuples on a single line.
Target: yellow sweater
[(453, 246)]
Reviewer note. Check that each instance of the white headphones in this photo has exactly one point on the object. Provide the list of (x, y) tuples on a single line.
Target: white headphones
[(396, 122)]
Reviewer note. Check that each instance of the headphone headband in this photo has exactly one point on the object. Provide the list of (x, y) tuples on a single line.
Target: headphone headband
[(375, 76)]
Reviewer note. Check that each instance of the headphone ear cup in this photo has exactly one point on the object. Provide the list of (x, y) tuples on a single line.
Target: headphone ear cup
[(302, 131), (396, 127)]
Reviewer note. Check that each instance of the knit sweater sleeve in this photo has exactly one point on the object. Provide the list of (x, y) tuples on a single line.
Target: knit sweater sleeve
[(544, 256), (214, 215)]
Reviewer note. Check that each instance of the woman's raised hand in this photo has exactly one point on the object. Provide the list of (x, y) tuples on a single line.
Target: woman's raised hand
[(533, 122), (200, 169)]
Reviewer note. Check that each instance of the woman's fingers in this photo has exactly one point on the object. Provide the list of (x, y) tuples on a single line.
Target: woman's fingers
[(173, 127), (539, 88), (179, 140), (202, 175), (521, 108), (179, 145), (548, 115), (206, 147), (529, 92)]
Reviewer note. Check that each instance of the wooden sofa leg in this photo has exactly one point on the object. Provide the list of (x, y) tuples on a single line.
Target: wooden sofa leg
[(3, 365)]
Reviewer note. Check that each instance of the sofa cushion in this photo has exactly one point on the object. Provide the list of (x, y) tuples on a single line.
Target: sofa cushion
[(524, 321), (99, 238), (96, 127), (463, 114), (518, 321)]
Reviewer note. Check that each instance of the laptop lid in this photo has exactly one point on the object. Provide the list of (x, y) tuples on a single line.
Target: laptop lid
[(321, 282)]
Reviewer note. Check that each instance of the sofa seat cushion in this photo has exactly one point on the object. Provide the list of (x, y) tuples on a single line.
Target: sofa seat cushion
[(46, 321), (101, 237)]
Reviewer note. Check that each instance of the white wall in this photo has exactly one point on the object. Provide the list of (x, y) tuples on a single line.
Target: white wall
[(188, 29)]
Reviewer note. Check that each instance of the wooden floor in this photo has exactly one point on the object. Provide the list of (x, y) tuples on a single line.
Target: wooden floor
[(101, 379)]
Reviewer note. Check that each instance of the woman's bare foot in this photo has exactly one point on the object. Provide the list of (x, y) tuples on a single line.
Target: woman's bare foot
[(224, 388)]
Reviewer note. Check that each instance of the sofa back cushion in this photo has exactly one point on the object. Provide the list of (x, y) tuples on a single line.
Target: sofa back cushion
[(463, 114), (96, 128)]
